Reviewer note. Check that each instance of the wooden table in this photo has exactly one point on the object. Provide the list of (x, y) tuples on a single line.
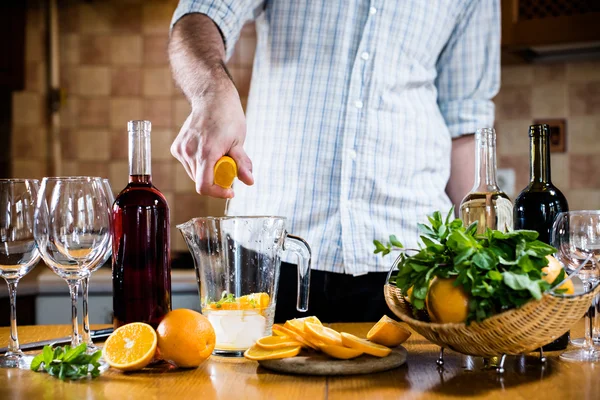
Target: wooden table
[(229, 379)]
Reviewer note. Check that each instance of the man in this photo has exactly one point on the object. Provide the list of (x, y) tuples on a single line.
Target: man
[(359, 121)]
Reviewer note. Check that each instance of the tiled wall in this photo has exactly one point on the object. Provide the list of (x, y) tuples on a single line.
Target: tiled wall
[(556, 91), (114, 68)]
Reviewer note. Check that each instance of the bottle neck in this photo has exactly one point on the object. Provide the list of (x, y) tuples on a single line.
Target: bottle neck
[(539, 147), (140, 170), (485, 161)]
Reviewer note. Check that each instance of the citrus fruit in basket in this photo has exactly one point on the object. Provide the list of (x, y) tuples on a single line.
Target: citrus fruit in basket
[(374, 349), (388, 332), (185, 338), (225, 172), (258, 353), (447, 303), (552, 270), (130, 347)]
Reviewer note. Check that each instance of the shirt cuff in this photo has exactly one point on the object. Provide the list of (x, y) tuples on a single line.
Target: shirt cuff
[(466, 116), (228, 22)]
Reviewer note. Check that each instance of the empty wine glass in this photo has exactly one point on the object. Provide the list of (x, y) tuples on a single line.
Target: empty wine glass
[(18, 253), (576, 235), (85, 282), (72, 230)]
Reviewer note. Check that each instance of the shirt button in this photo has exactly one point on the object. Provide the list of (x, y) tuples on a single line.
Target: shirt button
[(352, 154), (364, 56), (358, 104), (372, 10)]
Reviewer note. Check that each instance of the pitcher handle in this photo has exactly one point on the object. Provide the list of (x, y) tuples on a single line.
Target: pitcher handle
[(298, 246)]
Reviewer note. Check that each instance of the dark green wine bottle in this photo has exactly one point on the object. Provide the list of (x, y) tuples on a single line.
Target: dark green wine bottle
[(540, 202)]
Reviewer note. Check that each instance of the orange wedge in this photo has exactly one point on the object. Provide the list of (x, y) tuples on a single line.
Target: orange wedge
[(257, 353), (388, 332), (277, 342), (282, 330), (364, 345), (341, 352), (130, 347), (225, 172), (323, 334)]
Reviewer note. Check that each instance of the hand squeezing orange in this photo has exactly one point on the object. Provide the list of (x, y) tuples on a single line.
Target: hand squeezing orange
[(225, 172)]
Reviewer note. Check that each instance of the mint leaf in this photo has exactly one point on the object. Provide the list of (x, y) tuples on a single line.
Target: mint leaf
[(522, 282), (67, 363), (395, 242), (37, 362)]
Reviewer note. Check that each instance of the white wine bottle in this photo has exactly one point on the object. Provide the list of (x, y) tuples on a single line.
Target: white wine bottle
[(486, 203)]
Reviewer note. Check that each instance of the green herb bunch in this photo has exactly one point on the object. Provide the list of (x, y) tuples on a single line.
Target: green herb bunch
[(68, 363), (498, 270)]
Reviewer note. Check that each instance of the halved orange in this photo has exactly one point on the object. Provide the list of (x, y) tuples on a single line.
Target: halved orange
[(388, 332), (282, 330), (257, 353), (364, 345), (225, 172), (277, 342), (341, 352), (130, 347), (323, 334)]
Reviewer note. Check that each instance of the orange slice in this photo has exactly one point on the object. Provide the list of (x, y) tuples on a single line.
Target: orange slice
[(257, 353), (297, 326), (388, 332), (282, 330), (365, 346), (277, 342), (311, 319), (254, 300), (130, 347), (341, 352), (323, 334), (225, 172)]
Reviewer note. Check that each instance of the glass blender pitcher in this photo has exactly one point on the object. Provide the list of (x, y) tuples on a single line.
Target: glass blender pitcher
[(237, 261)]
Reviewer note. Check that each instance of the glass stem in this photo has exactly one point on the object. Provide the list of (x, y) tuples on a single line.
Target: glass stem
[(86, 335), (589, 324), (13, 345), (74, 288)]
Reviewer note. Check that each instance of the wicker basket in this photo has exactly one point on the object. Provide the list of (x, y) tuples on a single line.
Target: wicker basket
[(517, 331)]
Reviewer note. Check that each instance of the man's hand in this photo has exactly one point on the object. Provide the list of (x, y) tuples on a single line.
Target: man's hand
[(216, 127)]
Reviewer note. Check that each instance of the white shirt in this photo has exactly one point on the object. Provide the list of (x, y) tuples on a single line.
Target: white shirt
[(352, 109)]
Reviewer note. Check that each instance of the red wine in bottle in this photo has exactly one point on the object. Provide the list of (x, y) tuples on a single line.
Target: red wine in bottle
[(141, 240), (540, 202)]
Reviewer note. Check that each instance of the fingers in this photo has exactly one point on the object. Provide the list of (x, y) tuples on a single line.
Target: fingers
[(244, 164), (205, 179)]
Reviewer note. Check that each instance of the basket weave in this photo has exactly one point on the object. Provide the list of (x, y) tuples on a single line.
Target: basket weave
[(517, 331)]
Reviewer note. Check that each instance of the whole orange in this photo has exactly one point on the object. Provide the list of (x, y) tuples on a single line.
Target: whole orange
[(185, 338), (447, 303)]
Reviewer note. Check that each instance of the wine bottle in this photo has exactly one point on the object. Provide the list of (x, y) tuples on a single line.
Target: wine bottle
[(540, 202), (141, 240), (486, 204)]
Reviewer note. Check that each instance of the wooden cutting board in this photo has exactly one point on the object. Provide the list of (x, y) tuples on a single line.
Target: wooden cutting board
[(320, 364)]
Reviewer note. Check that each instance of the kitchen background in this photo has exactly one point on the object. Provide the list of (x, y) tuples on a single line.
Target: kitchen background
[(113, 67)]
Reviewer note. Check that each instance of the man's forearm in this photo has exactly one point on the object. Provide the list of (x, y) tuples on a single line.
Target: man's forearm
[(197, 54), (461, 168)]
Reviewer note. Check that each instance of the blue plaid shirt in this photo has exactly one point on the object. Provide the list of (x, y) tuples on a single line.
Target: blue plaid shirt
[(352, 110)]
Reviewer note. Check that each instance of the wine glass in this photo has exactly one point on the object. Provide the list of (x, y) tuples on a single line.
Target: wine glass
[(72, 231), (576, 235), (18, 253), (85, 282)]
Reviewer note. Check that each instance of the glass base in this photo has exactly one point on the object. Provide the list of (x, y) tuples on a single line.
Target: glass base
[(228, 353), (16, 360), (581, 356), (580, 342)]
